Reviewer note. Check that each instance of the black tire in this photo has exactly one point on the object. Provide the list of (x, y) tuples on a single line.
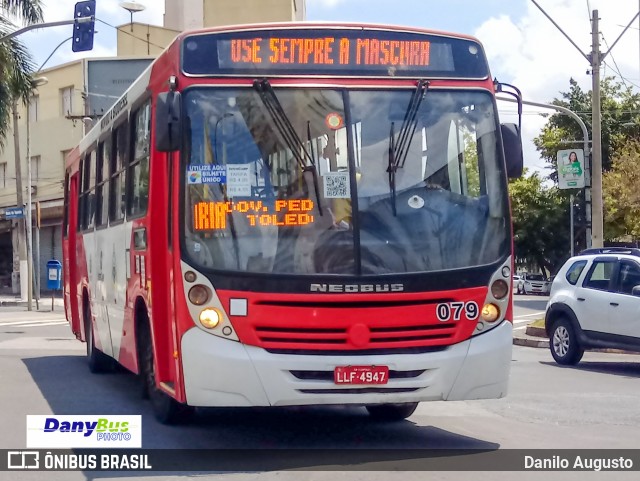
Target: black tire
[(166, 409), (391, 412), (563, 343), (98, 361)]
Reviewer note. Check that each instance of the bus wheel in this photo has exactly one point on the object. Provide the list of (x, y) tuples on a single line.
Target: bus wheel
[(391, 412), (98, 361), (166, 409)]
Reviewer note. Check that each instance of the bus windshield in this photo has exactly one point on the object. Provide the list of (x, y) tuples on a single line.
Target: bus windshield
[(300, 181)]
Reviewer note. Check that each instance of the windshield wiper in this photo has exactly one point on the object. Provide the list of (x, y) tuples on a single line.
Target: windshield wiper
[(304, 159), (398, 151)]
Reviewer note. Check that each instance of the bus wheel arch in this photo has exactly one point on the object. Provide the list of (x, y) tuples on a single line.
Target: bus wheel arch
[(97, 360), (165, 408)]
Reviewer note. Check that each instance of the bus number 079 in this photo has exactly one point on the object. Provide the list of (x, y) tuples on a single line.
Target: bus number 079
[(448, 310)]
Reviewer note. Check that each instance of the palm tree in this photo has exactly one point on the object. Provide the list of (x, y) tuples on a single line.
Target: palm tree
[(16, 64)]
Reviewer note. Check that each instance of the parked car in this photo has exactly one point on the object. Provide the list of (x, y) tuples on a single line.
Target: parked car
[(595, 303), (535, 284), (518, 284)]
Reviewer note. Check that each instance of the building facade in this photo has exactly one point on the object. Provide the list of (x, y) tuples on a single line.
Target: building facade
[(70, 99), (190, 14)]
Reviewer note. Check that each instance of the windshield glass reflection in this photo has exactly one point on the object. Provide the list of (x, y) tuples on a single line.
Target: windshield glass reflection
[(308, 190)]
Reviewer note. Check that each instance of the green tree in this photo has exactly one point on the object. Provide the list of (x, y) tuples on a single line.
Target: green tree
[(620, 107), (540, 223), (16, 65), (621, 194)]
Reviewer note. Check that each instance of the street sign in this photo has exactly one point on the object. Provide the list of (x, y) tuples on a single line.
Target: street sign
[(14, 213), (571, 169)]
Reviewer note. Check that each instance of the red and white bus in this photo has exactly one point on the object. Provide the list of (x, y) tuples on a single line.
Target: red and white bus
[(298, 214)]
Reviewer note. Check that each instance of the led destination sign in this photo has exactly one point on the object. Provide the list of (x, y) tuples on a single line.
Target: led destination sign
[(340, 52), (329, 51), (291, 212)]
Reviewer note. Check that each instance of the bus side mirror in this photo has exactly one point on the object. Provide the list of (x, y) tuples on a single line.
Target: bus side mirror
[(512, 150), (635, 291), (169, 122)]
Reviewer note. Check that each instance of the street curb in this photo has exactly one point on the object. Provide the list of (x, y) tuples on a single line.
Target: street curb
[(539, 343), (536, 331), (26, 303)]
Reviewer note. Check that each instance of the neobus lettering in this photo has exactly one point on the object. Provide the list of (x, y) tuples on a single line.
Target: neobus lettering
[(347, 288)]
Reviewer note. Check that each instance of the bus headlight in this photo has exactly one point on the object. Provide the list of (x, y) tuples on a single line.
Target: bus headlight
[(499, 289), (210, 317), (490, 312), (199, 295)]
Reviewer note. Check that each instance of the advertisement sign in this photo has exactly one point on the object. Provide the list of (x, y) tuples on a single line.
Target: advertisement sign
[(571, 169)]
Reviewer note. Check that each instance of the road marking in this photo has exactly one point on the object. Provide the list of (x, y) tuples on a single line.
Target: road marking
[(521, 321), (38, 324), (34, 321), (532, 314)]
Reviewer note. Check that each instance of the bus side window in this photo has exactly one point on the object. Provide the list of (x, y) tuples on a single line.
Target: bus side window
[(138, 170), (102, 192), (65, 215), (118, 166), (79, 186), (87, 191), (91, 192)]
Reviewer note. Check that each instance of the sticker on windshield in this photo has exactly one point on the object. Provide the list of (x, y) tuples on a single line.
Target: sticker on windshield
[(336, 185), (416, 202), (239, 180), (207, 174), (334, 121)]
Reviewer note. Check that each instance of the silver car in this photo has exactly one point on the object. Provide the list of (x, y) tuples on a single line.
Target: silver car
[(536, 284)]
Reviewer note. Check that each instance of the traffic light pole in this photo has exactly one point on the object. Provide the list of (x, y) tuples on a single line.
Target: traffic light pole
[(46, 25)]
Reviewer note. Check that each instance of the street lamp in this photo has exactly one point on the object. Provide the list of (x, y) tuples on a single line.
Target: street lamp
[(39, 81), (132, 7)]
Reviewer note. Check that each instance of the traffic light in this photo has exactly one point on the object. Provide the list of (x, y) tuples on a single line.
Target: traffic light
[(83, 30)]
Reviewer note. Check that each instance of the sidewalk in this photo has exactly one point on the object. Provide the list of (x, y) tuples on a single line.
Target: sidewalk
[(44, 302)]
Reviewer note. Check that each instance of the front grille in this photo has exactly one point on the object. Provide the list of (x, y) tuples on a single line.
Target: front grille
[(361, 352), (333, 338)]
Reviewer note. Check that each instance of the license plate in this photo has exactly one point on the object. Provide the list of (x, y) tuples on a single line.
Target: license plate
[(361, 375)]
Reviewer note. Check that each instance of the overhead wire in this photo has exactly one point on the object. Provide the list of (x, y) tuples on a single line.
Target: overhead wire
[(131, 34)]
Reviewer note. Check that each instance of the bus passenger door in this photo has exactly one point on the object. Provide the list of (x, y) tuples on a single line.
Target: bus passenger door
[(69, 268)]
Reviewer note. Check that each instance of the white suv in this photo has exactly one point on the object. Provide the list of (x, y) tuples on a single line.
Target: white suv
[(595, 303)]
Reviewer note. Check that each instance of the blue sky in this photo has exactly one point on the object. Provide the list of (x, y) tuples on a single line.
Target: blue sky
[(523, 46)]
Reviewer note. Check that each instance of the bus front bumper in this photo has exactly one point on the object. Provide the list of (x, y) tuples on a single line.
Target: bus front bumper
[(220, 372)]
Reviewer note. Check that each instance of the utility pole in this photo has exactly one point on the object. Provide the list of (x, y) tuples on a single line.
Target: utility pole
[(597, 212), (22, 243), (593, 194)]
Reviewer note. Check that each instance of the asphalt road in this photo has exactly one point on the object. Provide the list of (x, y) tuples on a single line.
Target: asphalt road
[(592, 406)]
